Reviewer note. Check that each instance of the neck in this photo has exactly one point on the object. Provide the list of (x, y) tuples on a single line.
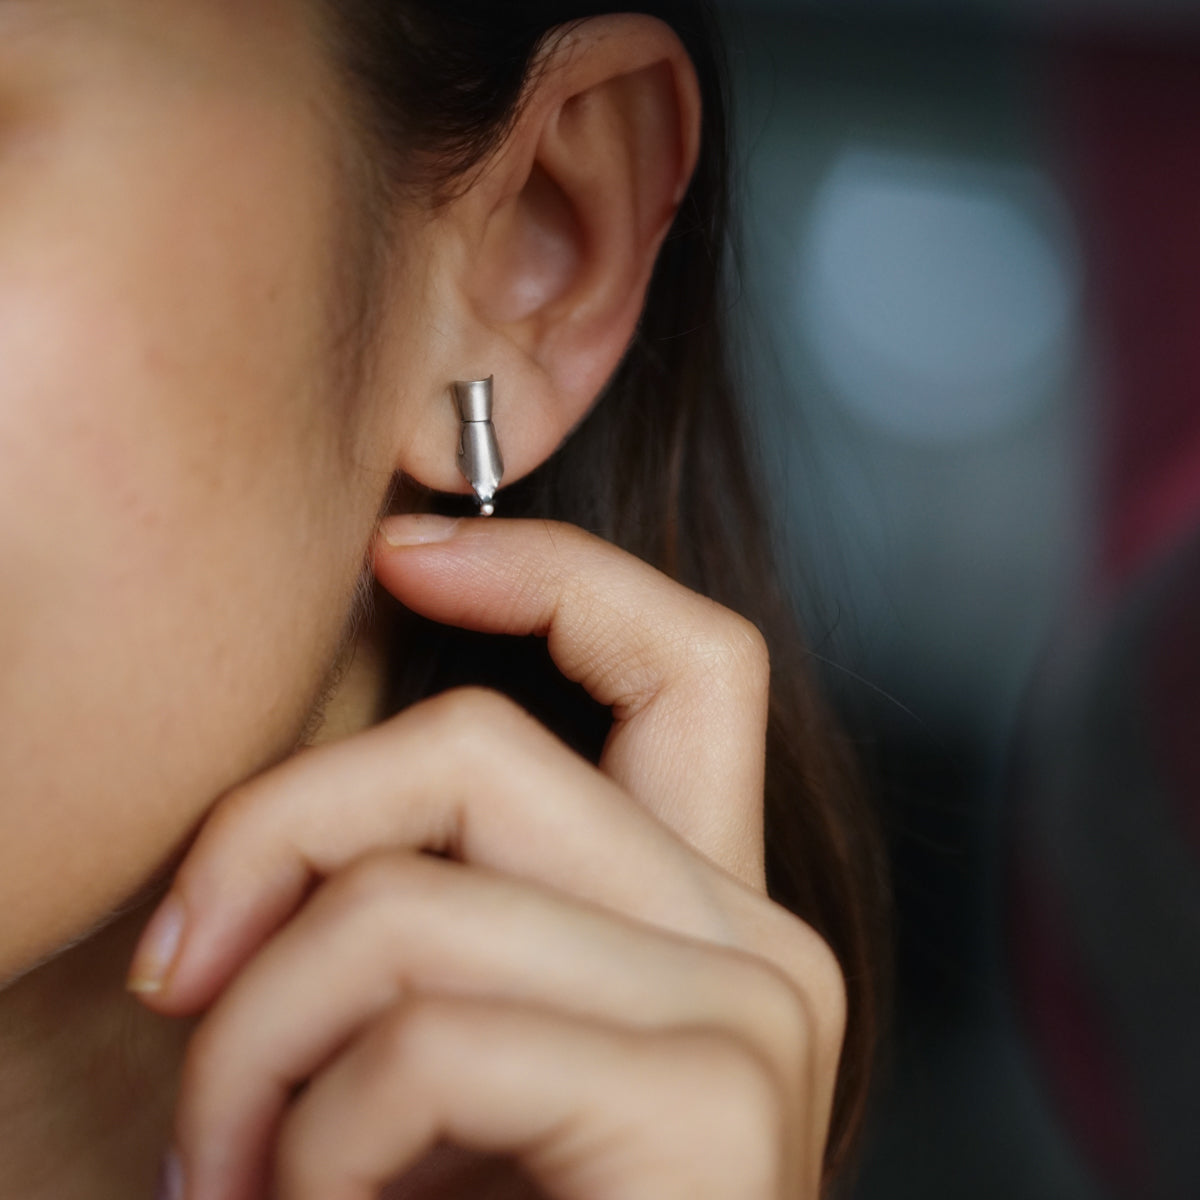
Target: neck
[(87, 1076)]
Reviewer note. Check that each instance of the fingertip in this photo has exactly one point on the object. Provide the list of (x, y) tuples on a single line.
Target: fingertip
[(159, 949), (417, 529), (175, 971)]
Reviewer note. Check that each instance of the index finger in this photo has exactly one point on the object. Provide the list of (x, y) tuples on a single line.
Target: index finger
[(686, 680)]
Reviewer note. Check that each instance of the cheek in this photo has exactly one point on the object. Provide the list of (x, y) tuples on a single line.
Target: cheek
[(174, 574)]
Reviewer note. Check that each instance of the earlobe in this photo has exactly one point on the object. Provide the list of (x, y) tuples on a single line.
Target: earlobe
[(549, 253)]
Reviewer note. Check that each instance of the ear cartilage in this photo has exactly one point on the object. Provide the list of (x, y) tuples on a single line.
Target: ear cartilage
[(478, 450)]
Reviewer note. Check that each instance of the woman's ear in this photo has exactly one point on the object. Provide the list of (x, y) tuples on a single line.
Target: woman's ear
[(538, 268)]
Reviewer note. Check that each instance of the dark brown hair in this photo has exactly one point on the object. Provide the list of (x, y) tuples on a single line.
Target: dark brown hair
[(661, 467)]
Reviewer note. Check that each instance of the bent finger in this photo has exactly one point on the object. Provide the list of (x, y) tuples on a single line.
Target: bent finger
[(394, 925), (591, 1111), (686, 679), (466, 774)]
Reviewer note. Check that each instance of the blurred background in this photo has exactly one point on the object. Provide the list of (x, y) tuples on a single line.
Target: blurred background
[(971, 274)]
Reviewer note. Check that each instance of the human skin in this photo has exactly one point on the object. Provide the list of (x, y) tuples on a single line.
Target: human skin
[(192, 469)]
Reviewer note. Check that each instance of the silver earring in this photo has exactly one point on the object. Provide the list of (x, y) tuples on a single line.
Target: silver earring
[(478, 451)]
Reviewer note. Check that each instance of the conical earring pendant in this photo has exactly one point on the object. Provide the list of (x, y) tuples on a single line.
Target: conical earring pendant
[(478, 450)]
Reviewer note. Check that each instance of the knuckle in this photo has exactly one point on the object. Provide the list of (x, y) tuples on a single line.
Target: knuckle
[(732, 1098), (369, 882), (407, 1036), (826, 993), (744, 1074), (784, 1016), (384, 899), (467, 722), (734, 646), (753, 645), (392, 1042), (230, 814), (810, 969), (480, 703), (379, 885)]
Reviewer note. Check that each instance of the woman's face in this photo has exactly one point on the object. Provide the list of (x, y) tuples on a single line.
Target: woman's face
[(188, 471)]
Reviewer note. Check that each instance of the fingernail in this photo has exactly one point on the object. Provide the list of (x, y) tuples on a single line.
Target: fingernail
[(170, 1179), (159, 947), (418, 529)]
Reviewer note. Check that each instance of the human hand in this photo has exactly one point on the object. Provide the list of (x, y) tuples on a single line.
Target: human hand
[(452, 929)]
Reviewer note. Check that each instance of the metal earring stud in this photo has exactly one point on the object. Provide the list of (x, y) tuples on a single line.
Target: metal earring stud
[(478, 450)]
